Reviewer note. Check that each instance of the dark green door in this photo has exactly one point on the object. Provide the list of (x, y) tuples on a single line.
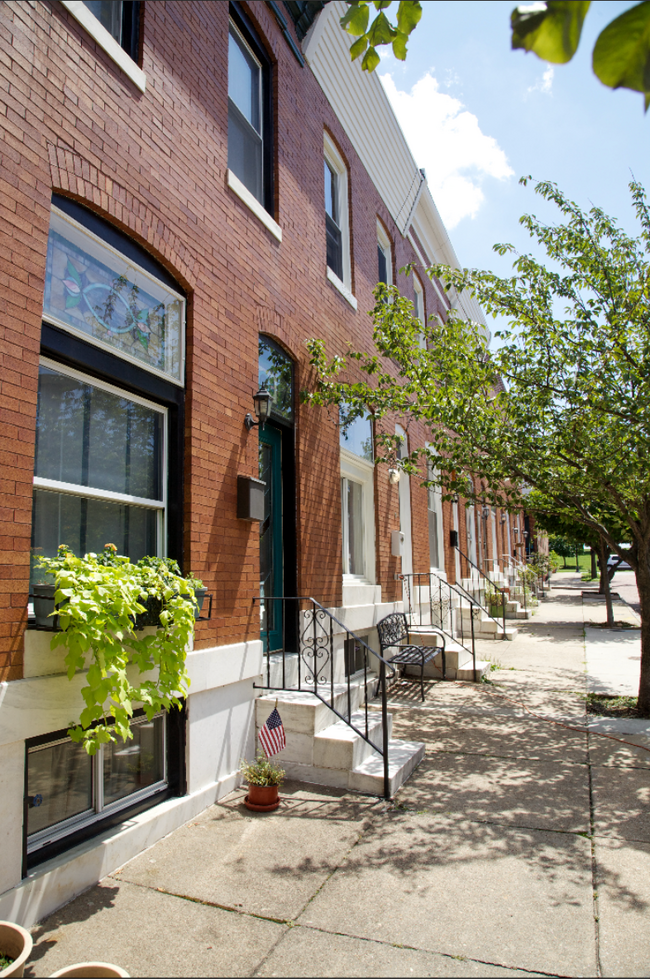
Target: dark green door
[(271, 571)]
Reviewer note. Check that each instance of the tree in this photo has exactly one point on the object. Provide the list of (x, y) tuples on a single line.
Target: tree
[(561, 406), (552, 30)]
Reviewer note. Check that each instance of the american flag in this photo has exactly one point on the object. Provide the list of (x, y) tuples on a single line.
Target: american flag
[(272, 736)]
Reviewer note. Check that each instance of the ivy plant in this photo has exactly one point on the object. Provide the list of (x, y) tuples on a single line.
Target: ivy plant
[(98, 600)]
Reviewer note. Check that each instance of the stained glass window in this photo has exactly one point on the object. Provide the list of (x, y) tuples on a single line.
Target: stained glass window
[(93, 290)]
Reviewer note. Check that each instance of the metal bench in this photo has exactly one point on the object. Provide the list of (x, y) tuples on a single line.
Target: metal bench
[(393, 630)]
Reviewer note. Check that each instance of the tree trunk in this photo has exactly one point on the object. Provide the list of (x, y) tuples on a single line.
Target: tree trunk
[(594, 569), (643, 585), (604, 581)]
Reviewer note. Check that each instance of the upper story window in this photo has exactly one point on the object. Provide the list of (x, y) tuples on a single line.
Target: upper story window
[(337, 224), (96, 292), (418, 304), (245, 116), (384, 257), (115, 26), (333, 221), (121, 20)]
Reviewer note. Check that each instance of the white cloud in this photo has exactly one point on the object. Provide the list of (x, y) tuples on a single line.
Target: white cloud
[(447, 141), (545, 83)]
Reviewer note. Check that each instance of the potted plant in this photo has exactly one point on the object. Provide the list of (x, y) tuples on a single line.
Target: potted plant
[(200, 591), (264, 779), (15, 949), (494, 602), (89, 969), (99, 599)]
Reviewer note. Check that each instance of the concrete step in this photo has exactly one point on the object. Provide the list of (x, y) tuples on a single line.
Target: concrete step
[(403, 758), (302, 712), (467, 672), (339, 746)]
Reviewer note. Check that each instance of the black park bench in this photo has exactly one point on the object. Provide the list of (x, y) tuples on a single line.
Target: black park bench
[(393, 630)]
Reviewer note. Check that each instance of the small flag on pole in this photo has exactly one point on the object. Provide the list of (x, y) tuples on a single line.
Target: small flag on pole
[(272, 736)]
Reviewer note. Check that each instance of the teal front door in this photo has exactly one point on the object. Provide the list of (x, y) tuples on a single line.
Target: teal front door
[(271, 570)]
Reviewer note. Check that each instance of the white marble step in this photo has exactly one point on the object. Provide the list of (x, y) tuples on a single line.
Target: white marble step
[(403, 758), (339, 746), (302, 712)]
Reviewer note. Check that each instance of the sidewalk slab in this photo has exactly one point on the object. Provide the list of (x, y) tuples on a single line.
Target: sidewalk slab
[(519, 899), (623, 882), (306, 952), (150, 934), (621, 800), (262, 863), (613, 662), (503, 736), (512, 792), (604, 752)]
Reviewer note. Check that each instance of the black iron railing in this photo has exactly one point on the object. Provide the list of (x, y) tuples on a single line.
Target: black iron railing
[(432, 601), (312, 666), (486, 586)]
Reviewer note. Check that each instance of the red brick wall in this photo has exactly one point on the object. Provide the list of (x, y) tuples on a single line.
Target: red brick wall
[(155, 165)]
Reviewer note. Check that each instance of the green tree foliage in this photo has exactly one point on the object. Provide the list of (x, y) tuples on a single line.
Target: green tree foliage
[(561, 406), (371, 35), (551, 30), (621, 55)]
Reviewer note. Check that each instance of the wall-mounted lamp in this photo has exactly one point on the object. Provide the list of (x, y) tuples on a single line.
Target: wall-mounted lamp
[(394, 476), (503, 518), (263, 401), (486, 512)]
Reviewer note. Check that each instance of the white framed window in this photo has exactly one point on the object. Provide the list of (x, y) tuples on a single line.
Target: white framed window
[(68, 790), (436, 537), (357, 502), (418, 307), (100, 473), (114, 25), (97, 293), (337, 219), (245, 115), (384, 256)]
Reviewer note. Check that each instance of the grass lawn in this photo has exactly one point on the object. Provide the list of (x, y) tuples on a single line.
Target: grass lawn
[(584, 562)]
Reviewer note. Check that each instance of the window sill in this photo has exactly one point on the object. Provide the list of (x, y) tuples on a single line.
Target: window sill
[(254, 205), (342, 288), (98, 32)]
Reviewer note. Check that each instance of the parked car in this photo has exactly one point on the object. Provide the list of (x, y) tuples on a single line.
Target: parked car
[(614, 561)]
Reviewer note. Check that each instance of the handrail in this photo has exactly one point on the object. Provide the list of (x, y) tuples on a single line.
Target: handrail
[(316, 644), (461, 593), (495, 587)]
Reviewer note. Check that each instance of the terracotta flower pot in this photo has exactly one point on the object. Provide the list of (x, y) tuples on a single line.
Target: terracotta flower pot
[(262, 798), (91, 969), (15, 943)]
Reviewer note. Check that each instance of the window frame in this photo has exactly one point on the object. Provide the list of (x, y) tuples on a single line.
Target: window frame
[(122, 56), (63, 830), (89, 492), (358, 470), (434, 496), (385, 245), (334, 160), (246, 31)]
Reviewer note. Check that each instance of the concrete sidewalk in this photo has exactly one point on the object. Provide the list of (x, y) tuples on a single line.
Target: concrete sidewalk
[(518, 847)]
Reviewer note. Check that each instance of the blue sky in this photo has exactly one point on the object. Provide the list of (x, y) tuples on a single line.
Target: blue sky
[(479, 115)]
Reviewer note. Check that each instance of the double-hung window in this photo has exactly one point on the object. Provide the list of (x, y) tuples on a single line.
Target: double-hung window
[(357, 501), (100, 467), (384, 257), (245, 115), (333, 221), (337, 223), (115, 27)]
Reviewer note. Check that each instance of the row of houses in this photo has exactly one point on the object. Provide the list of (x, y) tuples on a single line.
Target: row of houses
[(188, 192)]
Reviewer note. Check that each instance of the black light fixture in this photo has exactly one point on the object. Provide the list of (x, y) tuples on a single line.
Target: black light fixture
[(263, 401), (503, 518), (486, 511)]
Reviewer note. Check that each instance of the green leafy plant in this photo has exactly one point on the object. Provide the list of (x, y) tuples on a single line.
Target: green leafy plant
[(99, 598), (262, 772), (370, 36)]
